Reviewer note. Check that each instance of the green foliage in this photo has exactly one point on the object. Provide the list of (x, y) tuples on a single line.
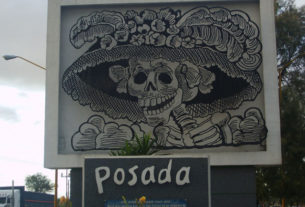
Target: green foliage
[(38, 183), (287, 181), (64, 202), (290, 33), (139, 202), (138, 146)]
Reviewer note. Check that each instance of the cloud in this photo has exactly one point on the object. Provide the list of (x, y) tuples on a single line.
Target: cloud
[(249, 129), (8, 114), (29, 19), (114, 136), (97, 134)]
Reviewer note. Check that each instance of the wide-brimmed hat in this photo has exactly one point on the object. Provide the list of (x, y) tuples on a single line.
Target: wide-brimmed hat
[(223, 41)]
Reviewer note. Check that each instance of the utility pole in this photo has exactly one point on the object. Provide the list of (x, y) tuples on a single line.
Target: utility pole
[(13, 195), (67, 176)]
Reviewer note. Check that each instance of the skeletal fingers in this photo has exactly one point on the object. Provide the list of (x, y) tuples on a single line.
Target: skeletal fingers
[(168, 136), (212, 136)]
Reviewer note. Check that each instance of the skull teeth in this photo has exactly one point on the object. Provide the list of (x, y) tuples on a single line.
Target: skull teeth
[(153, 102), (159, 100), (146, 102), (153, 106)]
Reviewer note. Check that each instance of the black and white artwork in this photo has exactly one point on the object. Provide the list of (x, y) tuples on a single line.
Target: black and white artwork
[(191, 78)]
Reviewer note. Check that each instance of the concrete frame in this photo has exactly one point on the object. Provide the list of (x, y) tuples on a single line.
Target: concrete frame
[(272, 155)]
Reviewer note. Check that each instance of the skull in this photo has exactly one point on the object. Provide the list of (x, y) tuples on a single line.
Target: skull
[(156, 87), (161, 85)]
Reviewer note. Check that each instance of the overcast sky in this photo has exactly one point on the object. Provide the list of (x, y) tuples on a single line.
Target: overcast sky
[(22, 85)]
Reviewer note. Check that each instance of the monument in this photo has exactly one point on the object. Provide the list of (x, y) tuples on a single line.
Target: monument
[(199, 76)]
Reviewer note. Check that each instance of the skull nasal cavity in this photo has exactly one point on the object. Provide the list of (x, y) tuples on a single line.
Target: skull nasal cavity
[(150, 87)]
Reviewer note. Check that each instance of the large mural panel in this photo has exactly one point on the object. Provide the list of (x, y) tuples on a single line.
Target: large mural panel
[(190, 75)]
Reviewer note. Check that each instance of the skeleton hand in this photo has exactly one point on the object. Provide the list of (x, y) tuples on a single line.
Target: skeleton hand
[(210, 132), (168, 136), (213, 130)]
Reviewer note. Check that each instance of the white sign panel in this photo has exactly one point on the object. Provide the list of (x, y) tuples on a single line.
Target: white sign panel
[(199, 77)]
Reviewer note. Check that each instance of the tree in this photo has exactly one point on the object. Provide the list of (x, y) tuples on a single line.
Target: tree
[(290, 33), (38, 183), (286, 183), (293, 136)]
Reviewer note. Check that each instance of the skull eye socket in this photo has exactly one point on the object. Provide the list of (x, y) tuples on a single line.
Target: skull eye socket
[(140, 78), (165, 78)]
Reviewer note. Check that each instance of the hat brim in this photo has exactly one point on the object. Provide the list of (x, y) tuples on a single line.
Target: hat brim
[(87, 80)]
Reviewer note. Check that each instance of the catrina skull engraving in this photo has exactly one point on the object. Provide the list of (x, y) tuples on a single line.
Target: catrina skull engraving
[(159, 86), (182, 75), (154, 84)]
